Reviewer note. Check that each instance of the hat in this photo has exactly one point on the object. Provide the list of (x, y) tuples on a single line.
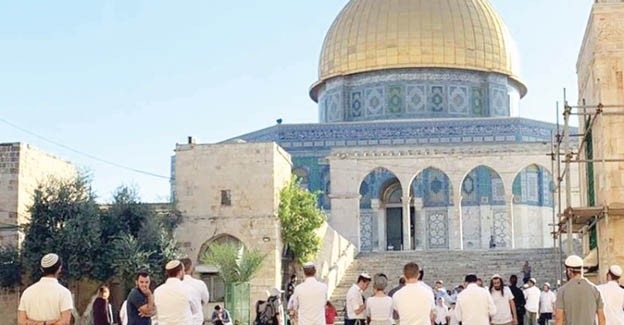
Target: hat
[(440, 282), (172, 265), (574, 262), (533, 280), (615, 270), (525, 286), (49, 260), (365, 276), (275, 291), (495, 276), (547, 284), (308, 265)]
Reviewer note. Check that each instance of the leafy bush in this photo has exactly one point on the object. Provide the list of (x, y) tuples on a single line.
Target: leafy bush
[(9, 267)]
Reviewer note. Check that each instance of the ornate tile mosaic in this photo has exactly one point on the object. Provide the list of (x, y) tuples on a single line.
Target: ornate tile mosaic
[(395, 99), (374, 101), (437, 98), (458, 100), (437, 230)]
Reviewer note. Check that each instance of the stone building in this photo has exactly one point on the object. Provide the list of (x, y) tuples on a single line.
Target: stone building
[(600, 70), (22, 168), (419, 146)]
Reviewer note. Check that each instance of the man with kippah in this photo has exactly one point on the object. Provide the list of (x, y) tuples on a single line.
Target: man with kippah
[(199, 290), (309, 298), (173, 299), (46, 302), (613, 296), (578, 301)]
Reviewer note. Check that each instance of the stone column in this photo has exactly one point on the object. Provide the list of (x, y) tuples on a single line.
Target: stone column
[(407, 240), (420, 224), (381, 224), (510, 212)]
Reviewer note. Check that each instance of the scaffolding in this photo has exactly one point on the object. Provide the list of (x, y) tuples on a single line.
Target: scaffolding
[(570, 220)]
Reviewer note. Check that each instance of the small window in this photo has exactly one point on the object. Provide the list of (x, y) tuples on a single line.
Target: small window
[(226, 198)]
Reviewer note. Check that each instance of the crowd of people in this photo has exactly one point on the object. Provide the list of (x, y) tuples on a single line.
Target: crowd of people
[(180, 300), (413, 302)]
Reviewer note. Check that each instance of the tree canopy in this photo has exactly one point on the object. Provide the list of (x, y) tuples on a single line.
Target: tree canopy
[(300, 218)]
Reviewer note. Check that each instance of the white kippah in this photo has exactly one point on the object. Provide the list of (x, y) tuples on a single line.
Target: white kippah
[(49, 260), (308, 265), (172, 265)]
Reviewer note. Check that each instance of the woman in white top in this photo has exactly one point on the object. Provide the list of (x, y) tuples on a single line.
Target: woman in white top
[(441, 312), (379, 305)]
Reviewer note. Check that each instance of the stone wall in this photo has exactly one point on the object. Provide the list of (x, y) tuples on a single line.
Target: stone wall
[(9, 300), (232, 189), (22, 168), (600, 71), (334, 257)]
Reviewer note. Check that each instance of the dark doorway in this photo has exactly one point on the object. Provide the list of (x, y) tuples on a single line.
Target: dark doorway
[(394, 228)]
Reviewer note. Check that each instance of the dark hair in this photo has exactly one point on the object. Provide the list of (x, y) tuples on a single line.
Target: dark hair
[(102, 288), (410, 270), (613, 276), (471, 278), (309, 271), (293, 276), (51, 270), (174, 272), (187, 263), (363, 279), (502, 284), (217, 307), (141, 274), (402, 280), (421, 275)]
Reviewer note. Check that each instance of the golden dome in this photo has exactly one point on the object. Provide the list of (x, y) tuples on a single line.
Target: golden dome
[(370, 35)]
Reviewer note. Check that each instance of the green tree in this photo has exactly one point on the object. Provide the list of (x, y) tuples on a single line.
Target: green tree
[(236, 264), (65, 220), (9, 267), (300, 217)]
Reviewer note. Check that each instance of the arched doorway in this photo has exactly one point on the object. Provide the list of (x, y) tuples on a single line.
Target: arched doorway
[(485, 221), (432, 193), (381, 211), (210, 273), (533, 205)]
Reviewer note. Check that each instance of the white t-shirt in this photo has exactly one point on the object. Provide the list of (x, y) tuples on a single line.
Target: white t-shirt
[(45, 300), (414, 304), (200, 296), (532, 297), (379, 308), (354, 301), (174, 305), (309, 299), (547, 301), (613, 297), (475, 306), (440, 314), (453, 320), (503, 309)]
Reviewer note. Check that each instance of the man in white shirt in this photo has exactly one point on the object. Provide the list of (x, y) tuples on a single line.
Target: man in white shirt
[(356, 309), (309, 298), (199, 290), (414, 303), (532, 297), (613, 297), (546, 304), (46, 302), (474, 305), (174, 304), (504, 302)]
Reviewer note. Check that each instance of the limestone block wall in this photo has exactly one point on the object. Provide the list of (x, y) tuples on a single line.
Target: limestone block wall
[(334, 257), (22, 168), (8, 306), (600, 70), (232, 189)]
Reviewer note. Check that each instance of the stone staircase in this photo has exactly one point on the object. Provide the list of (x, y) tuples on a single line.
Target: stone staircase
[(450, 267)]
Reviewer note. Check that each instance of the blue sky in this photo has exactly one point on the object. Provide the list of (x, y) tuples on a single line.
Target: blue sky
[(126, 80)]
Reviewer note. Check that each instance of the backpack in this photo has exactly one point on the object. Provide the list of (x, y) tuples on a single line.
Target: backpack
[(265, 312)]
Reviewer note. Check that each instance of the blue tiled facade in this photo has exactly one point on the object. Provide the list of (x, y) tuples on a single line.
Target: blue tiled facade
[(416, 93)]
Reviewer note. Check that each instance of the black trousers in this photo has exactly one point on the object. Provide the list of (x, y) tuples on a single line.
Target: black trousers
[(355, 322), (544, 317)]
